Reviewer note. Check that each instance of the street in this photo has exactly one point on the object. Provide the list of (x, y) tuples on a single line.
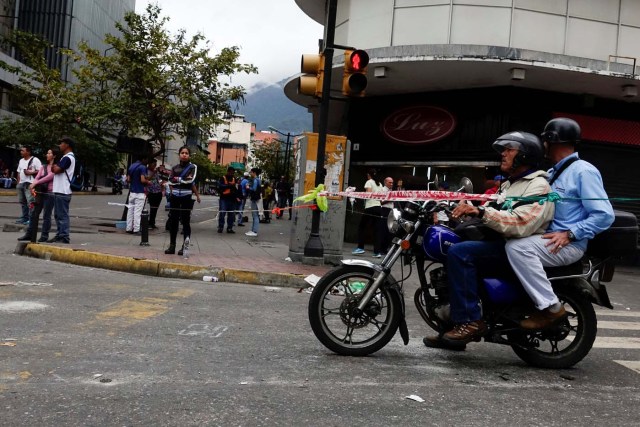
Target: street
[(81, 346)]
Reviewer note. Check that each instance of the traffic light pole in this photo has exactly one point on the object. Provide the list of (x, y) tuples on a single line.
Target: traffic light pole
[(314, 247)]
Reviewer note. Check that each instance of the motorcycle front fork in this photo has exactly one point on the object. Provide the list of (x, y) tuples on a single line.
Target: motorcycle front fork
[(385, 269)]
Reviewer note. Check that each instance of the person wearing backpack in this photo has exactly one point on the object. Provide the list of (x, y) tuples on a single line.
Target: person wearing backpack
[(63, 173), (28, 168)]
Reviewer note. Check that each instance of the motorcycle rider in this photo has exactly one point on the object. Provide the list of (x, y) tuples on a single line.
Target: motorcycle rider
[(521, 154), (575, 222)]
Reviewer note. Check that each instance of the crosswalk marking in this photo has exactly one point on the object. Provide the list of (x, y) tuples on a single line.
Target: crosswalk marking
[(629, 326), (634, 365), (617, 342), (617, 313)]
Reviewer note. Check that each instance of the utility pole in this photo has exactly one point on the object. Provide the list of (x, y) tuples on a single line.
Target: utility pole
[(314, 247)]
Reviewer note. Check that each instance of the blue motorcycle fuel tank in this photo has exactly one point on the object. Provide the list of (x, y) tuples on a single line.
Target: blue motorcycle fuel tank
[(503, 291), (437, 240)]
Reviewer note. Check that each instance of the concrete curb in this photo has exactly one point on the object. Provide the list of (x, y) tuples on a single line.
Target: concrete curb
[(157, 268)]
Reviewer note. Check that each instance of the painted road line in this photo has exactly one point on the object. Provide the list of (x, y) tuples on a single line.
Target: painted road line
[(617, 313), (617, 342), (609, 324), (634, 365)]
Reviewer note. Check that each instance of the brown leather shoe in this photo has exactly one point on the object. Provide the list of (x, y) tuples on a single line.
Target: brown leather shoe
[(466, 332), (543, 319)]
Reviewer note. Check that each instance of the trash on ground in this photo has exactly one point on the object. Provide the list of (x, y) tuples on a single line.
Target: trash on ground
[(7, 344), (97, 375), (312, 279), (414, 397), (272, 289), (209, 279), (244, 383), (288, 259)]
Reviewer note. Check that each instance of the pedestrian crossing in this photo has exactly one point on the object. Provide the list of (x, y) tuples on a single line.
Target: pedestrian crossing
[(608, 321)]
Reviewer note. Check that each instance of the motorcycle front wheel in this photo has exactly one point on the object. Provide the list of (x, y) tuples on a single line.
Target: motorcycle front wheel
[(565, 344), (334, 322)]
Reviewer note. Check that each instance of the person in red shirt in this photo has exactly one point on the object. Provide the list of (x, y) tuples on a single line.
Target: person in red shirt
[(497, 180)]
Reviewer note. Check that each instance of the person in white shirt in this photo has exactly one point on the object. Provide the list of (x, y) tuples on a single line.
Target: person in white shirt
[(28, 168), (371, 218), (63, 171)]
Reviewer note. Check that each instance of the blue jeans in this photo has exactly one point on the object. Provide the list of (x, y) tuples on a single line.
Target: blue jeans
[(241, 205), (25, 198), (463, 262), (62, 202), (255, 215), (45, 206), (227, 207)]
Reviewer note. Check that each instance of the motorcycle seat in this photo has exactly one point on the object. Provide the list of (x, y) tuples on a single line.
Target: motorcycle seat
[(564, 270)]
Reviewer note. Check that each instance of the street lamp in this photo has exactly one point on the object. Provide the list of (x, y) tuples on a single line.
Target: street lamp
[(286, 147)]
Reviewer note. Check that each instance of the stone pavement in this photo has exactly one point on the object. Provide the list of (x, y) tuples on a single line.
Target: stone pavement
[(230, 257)]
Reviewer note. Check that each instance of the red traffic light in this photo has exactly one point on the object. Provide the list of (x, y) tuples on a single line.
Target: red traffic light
[(358, 60)]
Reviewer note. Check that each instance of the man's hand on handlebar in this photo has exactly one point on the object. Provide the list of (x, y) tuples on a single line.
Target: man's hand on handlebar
[(464, 209)]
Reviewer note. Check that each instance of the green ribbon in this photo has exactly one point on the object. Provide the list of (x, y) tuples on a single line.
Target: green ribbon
[(321, 201), (555, 198)]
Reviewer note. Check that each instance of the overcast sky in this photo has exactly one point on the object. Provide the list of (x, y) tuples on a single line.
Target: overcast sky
[(271, 34)]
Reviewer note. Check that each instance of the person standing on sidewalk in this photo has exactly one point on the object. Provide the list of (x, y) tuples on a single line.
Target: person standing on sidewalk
[(228, 200), (181, 180), (371, 218), (386, 208), (243, 198), (28, 168), (283, 189), (42, 187), (137, 178), (253, 190), (154, 192), (63, 171)]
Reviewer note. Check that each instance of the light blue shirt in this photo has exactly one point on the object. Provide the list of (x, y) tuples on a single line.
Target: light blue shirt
[(585, 218)]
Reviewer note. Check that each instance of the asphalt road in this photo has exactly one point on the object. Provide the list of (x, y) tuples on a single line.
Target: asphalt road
[(90, 347)]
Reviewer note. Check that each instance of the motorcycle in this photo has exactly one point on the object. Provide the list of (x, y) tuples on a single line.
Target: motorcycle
[(356, 308), (116, 185)]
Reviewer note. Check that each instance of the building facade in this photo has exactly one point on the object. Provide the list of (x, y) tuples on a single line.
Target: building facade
[(446, 77), (231, 142)]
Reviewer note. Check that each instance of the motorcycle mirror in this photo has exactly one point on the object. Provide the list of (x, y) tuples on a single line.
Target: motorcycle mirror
[(465, 186)]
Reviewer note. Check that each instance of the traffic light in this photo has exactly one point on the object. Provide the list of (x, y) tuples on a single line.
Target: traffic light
[(312, 66), (354, 77)]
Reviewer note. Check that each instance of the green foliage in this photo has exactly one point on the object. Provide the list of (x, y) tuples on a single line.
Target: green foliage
[(148, 83), (270, 157), (206, 169)]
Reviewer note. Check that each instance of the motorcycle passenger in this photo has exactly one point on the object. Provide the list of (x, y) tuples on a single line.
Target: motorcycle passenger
[(575, 222), (521, 156)]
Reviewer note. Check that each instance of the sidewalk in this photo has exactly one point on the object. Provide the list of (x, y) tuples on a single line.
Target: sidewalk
[(95, 242)]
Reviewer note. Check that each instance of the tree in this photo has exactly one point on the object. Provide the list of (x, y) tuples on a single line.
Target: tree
[(156, 84), (270, 157), (148, 83)]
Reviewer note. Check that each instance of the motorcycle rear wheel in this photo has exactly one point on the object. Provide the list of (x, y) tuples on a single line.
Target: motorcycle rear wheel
[(331, 316), (567, 343)]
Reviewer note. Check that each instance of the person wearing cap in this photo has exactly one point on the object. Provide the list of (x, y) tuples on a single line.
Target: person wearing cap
[(586, 213), (521, 156), (63, 171)]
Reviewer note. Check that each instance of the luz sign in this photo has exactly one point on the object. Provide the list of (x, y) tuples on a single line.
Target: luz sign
[(422, 124)]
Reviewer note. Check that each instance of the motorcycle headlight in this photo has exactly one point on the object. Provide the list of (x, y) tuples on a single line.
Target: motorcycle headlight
[(393, 220)]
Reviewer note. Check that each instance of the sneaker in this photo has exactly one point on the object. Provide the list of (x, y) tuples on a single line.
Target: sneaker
[(219, 230), (357, 251), (19, 221), (230, 231), (42, 239), (543, 319), (24, 238), (377, 255), (251, 234), (465, 333)]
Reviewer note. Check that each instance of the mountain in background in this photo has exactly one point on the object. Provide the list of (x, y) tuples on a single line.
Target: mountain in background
[(268, 106)]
